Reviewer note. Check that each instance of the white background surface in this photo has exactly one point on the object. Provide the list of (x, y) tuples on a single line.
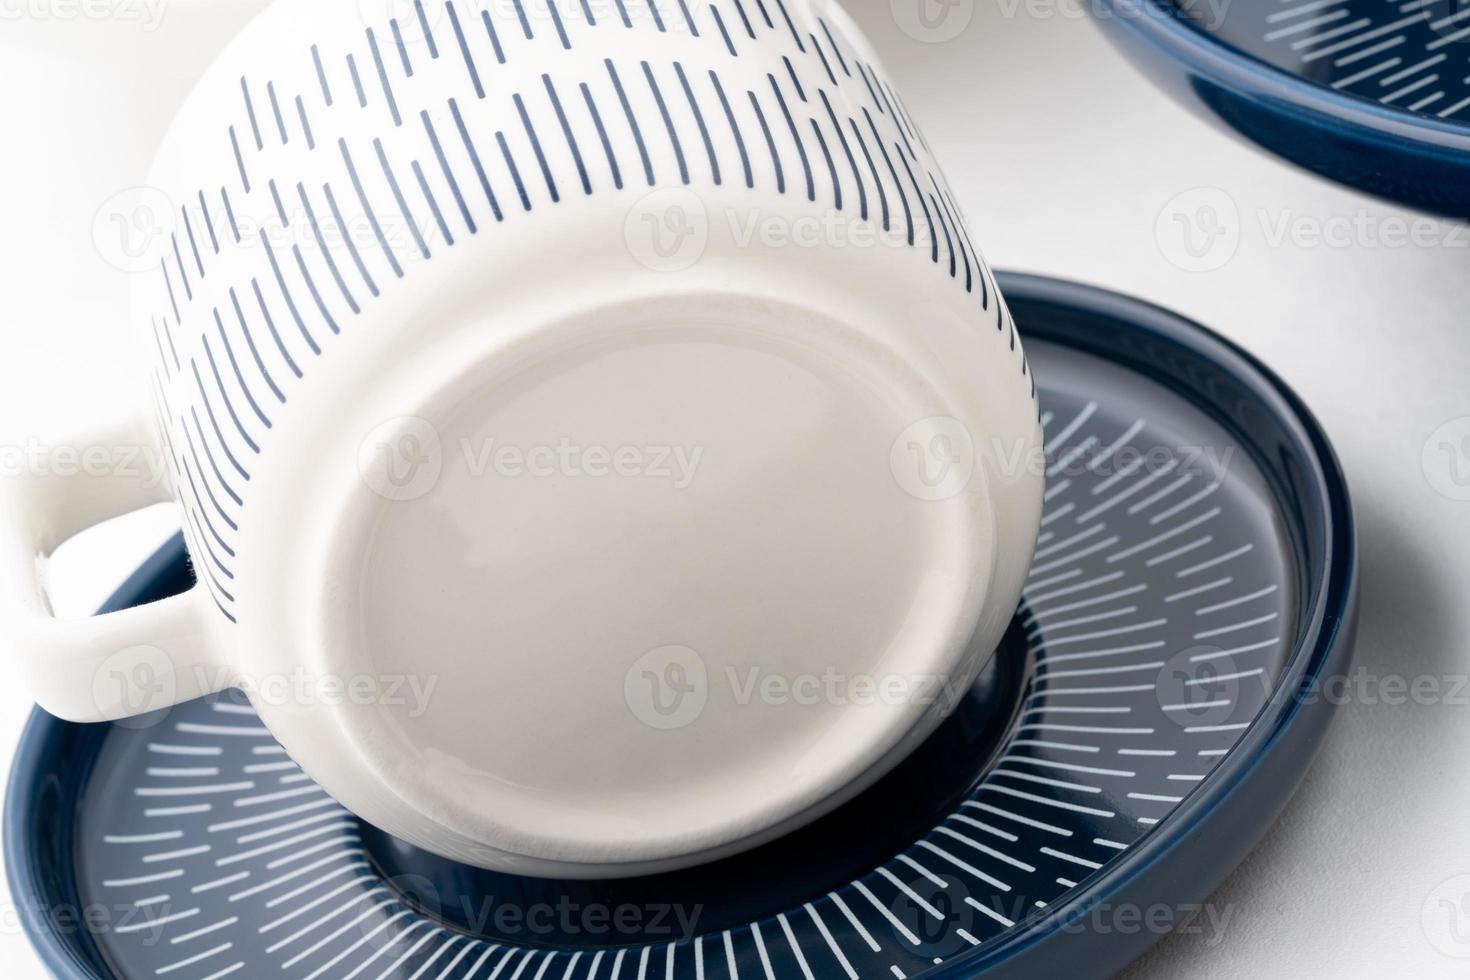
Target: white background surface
[(1065, 160)]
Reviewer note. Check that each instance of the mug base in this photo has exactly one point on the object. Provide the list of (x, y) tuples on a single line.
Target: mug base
[(670, 576)]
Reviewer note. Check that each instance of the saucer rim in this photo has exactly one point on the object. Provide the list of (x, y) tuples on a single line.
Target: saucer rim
[(1241, 799), (1238, 802)]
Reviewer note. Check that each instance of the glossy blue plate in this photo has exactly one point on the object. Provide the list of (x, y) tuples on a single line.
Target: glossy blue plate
[(1149, 714), (1374, 94)]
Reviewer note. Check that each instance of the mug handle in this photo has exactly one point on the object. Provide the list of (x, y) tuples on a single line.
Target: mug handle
[(111, 666)]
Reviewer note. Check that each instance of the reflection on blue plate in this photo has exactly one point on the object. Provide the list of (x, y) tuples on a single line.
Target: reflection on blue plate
[(1137, 732), (1370, 93)]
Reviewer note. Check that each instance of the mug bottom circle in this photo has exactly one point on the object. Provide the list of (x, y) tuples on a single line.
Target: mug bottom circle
[(650, 633)]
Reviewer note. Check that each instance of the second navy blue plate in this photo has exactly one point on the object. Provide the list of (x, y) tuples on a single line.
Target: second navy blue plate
[(1374, 94)]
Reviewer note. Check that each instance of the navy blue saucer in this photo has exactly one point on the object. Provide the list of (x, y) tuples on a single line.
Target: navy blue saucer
[(1373, 94), (1145, 720)]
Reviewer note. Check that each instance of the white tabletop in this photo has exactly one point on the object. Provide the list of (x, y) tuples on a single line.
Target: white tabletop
[(1068, 163)]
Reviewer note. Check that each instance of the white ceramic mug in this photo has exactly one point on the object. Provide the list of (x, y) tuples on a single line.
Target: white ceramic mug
[(600, 444)]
